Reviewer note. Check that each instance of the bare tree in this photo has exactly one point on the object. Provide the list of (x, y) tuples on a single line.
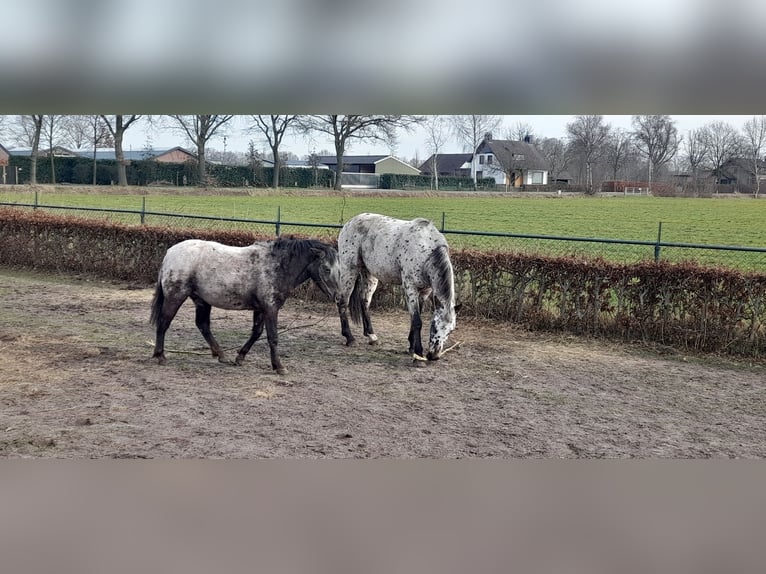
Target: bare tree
[(470, 131), (588, 134), (26, 131), (656, 138), (754, 141), (200, 129), (520, 131), (723, 146), (117, 126), (274, 127), (695, 151), (53, 131), (344, 129), (554, 151), (437, 132), (618, 150)]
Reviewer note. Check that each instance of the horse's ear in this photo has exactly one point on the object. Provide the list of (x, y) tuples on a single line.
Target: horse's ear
[(318, 252)]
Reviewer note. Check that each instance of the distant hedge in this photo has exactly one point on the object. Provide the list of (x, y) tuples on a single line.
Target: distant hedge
[(684, 306), (405, 181)]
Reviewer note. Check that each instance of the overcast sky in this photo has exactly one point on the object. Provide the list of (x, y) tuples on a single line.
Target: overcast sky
[(410, 145)]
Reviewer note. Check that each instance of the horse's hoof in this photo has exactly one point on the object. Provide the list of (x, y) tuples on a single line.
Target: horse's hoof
[(239, 360), (350, 343), (281, 370), (222, 358), (161, 360)]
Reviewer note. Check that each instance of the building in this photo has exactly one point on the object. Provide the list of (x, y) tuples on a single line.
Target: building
[(510, 163)]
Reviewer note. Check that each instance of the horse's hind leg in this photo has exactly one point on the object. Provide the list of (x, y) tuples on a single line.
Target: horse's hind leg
[(202, 320), (370, 284), (273, 337), (258, 320)]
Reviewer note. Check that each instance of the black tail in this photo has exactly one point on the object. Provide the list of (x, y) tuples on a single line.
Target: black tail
[(355, 302), (157, 302)]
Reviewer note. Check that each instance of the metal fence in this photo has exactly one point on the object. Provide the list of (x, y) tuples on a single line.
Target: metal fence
[(619, 250)]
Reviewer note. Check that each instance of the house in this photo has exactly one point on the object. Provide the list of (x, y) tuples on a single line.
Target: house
[(175, 154), (370, 164), (5, 155), (510, 163), (738, 173), (448, 164)]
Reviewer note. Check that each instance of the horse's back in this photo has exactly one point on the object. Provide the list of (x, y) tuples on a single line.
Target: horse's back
[(388, 247)]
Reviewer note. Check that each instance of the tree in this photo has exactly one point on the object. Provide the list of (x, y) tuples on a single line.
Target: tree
[(753, 142), (723, 146), (200, 129), (555, 152), (656, 138), (52, 130), (117, 126), (520, 131), (695, 151), (470, 131), (344, 129), (27, 132), (618, 151), (588, 134), (436, 136), (274, 127)]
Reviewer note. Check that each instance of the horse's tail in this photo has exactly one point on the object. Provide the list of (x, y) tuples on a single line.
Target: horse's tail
[(355, 301), (157, 302)]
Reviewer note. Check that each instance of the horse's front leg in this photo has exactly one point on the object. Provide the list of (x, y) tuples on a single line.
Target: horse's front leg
[(273, 338), (345, 328), (258, 322), (416, 324)]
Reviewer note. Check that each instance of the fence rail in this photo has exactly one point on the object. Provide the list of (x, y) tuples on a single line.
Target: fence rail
[(745, 258)]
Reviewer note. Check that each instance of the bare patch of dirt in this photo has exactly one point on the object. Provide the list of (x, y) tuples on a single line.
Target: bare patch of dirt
[(77, 381)]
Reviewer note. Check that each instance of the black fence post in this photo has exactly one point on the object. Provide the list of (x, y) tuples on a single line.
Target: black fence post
[(36, 203), (443, 217), (143, 210), (657, 246), (279, 218)]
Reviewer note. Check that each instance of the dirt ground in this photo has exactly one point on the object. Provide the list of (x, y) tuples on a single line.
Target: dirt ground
[(77, 381)]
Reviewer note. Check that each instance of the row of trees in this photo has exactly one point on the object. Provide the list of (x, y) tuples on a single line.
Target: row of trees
[(109, 131), (592, 150), (654, 149)]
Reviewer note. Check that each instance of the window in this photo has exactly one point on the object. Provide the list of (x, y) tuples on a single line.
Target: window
[(535, 177), (481, 160), (489, 159)]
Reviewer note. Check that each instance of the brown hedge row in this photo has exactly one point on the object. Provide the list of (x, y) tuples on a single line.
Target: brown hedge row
[(680, 305)]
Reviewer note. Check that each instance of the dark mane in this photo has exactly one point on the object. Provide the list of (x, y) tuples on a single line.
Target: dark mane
[(293, 247)]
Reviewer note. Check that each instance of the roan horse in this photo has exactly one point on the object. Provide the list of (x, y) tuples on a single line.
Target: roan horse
[(414, 254), (259, 277)]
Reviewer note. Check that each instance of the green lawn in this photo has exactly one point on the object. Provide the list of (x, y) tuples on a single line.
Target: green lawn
[(724, 221)]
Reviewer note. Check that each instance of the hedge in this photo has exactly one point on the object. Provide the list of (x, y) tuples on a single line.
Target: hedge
[(684, 306), (404, 181)]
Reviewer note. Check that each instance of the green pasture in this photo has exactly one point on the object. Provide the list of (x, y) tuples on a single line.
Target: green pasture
[(709, 221)]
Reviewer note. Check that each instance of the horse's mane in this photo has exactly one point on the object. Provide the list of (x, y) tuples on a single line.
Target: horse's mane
[(295, 247), (442, 279)]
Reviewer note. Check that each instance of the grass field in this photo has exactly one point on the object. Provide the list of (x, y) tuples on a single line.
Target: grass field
[(717, 221)]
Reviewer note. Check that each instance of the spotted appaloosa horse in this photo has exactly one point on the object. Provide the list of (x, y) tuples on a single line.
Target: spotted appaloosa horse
[(260, 277), (414, 254)]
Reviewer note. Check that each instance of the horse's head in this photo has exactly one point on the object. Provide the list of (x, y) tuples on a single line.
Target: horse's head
[(325, 270), (442, 324)]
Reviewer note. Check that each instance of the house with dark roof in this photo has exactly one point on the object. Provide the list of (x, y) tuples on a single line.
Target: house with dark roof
[(511, 163), (5, 155), (370, 164), (448, 164), (738, 174)]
